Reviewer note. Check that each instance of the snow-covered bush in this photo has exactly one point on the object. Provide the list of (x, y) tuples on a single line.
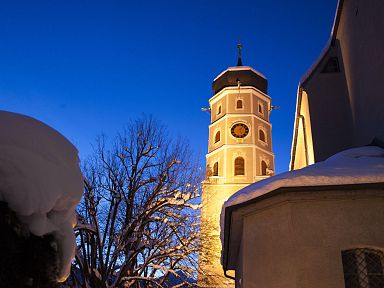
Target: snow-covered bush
[(40, 186)]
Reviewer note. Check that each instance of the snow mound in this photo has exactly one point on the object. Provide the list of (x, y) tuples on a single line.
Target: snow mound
[(353, 166), (40, 179)]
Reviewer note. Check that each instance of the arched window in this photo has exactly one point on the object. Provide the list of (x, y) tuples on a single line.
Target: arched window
[(363, 267), (261, 135), (215, 169), (217, 137), (260, 109), (239, 104), (219, 110), (264, 168), (239, 166)]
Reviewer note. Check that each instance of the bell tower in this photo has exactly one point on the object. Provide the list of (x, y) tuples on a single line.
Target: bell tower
[(239, 153)]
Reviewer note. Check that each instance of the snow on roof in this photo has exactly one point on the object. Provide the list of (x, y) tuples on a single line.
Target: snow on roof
[(353, 166), (364, 165), (239, 68), (40, 180)]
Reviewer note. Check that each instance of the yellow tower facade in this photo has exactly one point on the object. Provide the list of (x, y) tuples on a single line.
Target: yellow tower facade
[(239, 153)]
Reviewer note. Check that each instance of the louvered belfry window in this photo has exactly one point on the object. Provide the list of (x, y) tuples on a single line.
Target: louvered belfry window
[(264, 168), (239, 166), (363, 268)]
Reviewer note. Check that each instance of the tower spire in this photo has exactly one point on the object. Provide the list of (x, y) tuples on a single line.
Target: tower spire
[(239, 60)]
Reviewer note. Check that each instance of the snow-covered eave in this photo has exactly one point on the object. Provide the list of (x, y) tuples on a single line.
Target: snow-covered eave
[(228, 211), (308, 75), (239, 68)]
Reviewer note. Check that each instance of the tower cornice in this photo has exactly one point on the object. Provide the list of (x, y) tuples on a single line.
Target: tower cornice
[(243, 89), (237, 146), (230, 115)]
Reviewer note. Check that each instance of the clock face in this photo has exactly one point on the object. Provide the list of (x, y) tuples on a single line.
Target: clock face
[(239, 130)]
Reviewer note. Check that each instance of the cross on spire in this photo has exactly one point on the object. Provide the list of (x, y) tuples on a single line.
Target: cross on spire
[(239, 60)]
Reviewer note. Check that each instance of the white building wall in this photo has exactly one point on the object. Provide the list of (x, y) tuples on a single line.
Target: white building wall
[(346, 107), (296, 241), (362, 44)]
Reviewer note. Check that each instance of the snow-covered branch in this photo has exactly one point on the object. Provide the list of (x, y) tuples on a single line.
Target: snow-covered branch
[(139, 211)]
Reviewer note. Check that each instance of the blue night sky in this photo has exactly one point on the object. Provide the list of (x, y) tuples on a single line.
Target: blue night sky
[(86, 67)]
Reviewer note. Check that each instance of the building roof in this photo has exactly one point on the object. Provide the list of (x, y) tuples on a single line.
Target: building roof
[(357, 166), (245, 74), (330, 43)]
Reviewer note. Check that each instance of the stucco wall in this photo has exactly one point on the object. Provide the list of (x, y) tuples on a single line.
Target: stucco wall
[(329, 107), (346, 108), (362, 45), (211, 272), (297, 241), (304, 154)]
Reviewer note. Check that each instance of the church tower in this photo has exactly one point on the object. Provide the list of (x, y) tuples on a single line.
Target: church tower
[(239, 153)]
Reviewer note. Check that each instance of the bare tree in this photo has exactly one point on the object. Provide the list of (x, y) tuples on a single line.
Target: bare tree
[(138, 218)]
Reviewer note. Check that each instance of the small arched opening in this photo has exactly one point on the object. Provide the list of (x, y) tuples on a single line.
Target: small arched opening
[(215, 171), (264, 168), (217, 136), (261, 109), (261, 135), (239, 166)]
